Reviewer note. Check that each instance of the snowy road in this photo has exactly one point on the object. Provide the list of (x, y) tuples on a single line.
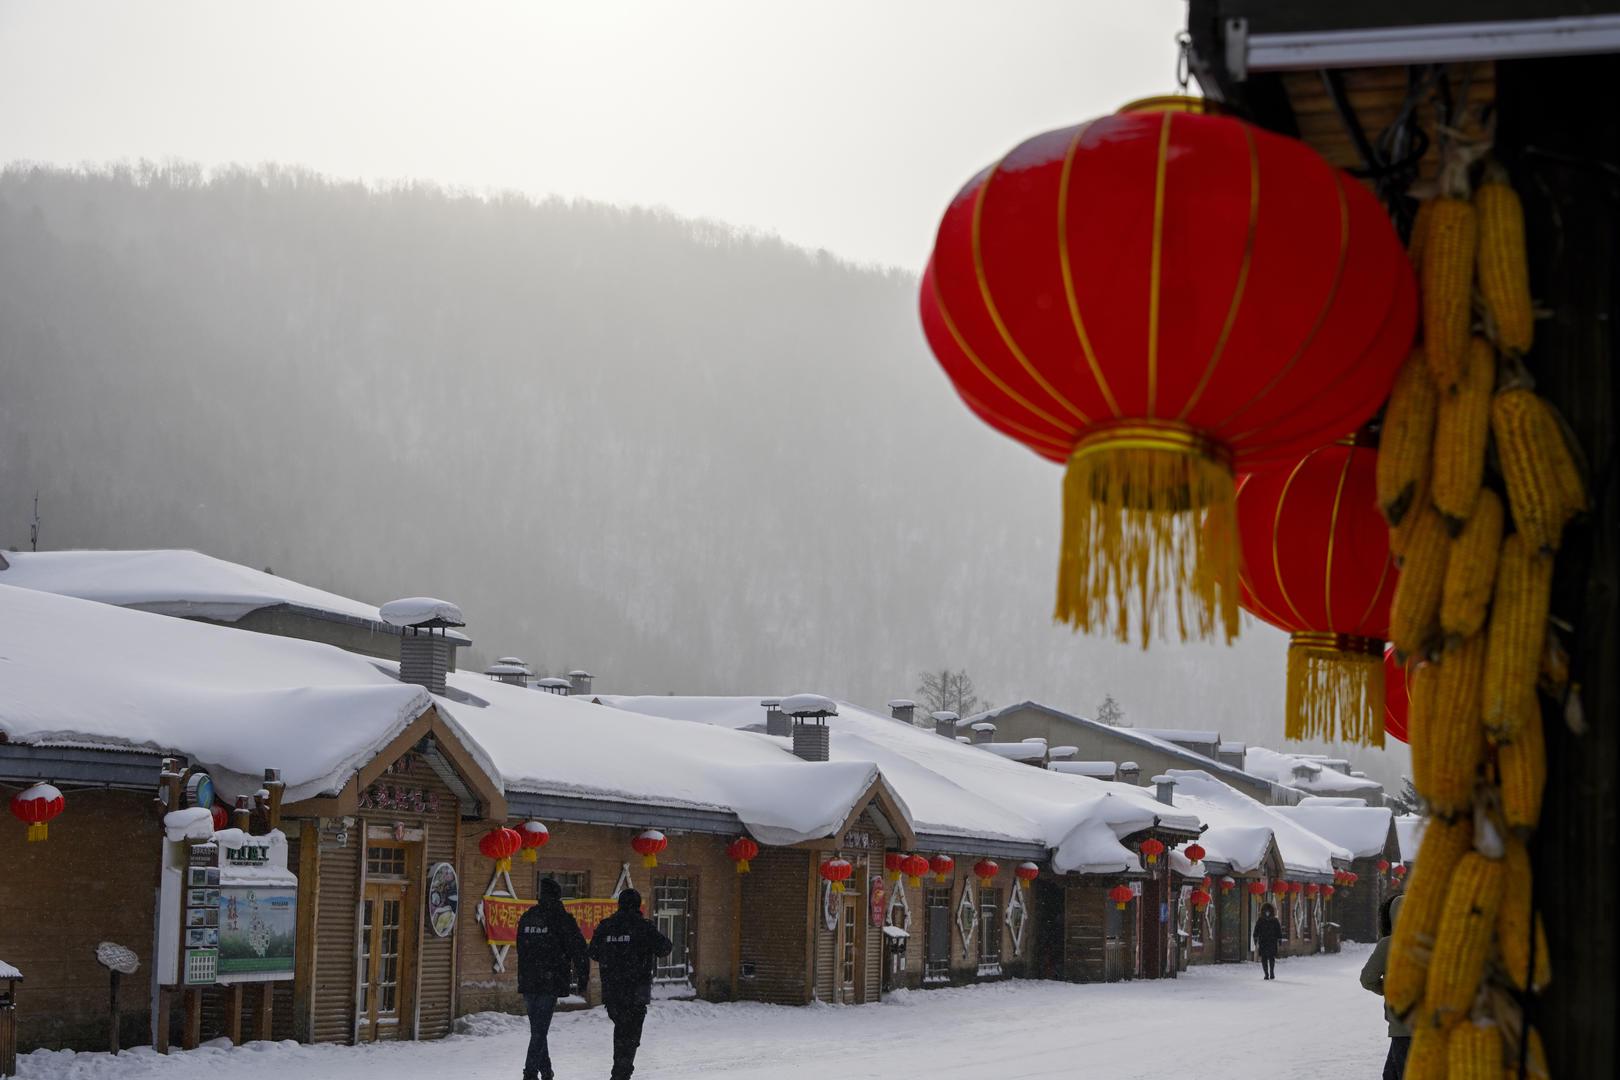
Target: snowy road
[(1314, 1021)]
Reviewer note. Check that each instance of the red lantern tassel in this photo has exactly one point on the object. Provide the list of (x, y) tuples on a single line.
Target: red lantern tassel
[(38, 831), (838, 886), (649, 860), (1149, 525), (531, 854), (742, 866), (1335, 688), (504, 865)]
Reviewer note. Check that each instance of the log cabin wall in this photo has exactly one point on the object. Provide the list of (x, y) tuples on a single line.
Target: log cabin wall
[(775, 932)]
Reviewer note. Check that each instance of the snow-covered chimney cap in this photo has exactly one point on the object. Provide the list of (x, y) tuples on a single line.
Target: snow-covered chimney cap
[(553, 682), (504, 668), (1035, 740), (963, 739), (1128, 765), (984, 725), (1163, 778), (770, 702), (809, 705), (1064, 751), (580, 673), (518, 660), (902, 703), (421, 611), (945, 714)]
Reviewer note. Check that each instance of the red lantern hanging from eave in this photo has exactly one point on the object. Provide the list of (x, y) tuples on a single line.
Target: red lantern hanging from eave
[(500, 844), (1257, 888), (535, 836), (893, 863), (1383, 866), (37, 807), (1194, 852), (986, 870), (1026, 872), (742, 851), (1400, 871), (1152, 849), (1200, 899), (1228, 884), (1316, 563), (941, 865), (1280, 887), (914, 867), (1120, 895), (648, 844), (1156, 299), (1328, 891), (836, 871)]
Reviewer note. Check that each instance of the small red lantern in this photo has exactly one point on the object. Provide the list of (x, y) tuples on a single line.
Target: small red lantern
[(1152, 849), (986, 870), (1257, 888), (1279, 887), (501, 844), (37, 807), (1194, 853), (535, 837), (941, 865), (1383, 866), (1350, 879), (914, 867), (1206, 883), (893, 864), (1200, 899), (1400, 871), (648, 844), (742, 851), (1026, 872), (1327, 891), (1120, 895), (836, 871), (221, 816), (1228, 884), (1311, 888)]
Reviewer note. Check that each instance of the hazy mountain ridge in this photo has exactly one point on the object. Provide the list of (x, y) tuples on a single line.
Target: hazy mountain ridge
[(690, 459)]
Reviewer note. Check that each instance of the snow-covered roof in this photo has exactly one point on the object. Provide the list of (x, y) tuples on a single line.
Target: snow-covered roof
[(1409, 831), (422, 611), (1104, 769), (1331, 800), (9, 972), (188, 584), (1363, 830), (235, 703), (954, 789), (1286, 768), (1017, 751), (1231, 748), (1237, 822), (1180, 735)]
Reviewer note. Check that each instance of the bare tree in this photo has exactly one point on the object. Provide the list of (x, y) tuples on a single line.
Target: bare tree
[(1110, 712), (949, 691)]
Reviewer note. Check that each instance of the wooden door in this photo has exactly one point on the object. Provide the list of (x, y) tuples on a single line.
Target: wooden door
[(848, 951), (383, 960)]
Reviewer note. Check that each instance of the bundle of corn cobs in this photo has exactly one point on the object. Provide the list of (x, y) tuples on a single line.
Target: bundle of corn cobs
[(1470, 618)]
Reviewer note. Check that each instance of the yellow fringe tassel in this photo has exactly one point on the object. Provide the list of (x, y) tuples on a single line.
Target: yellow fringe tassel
[(1149, 528), (1335, 688)]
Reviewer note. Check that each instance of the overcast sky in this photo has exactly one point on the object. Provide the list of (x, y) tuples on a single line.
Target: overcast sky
[(842, 124)]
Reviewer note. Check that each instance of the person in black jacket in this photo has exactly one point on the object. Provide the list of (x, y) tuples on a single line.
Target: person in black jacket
[(553, 962), (626, 947), (1267, 936)]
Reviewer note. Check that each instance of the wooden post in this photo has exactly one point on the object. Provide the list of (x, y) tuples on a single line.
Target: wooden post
[(112, 1013), (160, 1022), (191, 1037), (233, 1013), (263, 1026), (273, 784), (242, 816)]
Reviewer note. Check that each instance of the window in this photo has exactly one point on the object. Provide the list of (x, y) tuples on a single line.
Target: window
[(937, 957), (385, 861), (851, 927), (576, 884), (989, 930), (672, 911)]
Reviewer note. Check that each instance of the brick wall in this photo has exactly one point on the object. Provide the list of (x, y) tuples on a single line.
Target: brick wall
[(93, 880), (965, 968)]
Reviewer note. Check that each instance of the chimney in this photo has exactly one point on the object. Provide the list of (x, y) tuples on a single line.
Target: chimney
[(811, 739), (984, 731), (776, 721), (1165, 789), (510, 670), (903, 710), (1130, 773), (554, 685), (424, 650), (1231, 753), (945, 724), (580, 682)]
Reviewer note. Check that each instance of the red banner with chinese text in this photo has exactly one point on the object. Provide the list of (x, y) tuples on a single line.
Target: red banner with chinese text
[(501, 915)]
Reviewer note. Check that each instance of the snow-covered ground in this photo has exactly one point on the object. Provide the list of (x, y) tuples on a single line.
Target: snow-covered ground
[(1315, 1022)]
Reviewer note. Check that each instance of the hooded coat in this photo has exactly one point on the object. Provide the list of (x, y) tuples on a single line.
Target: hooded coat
[(552, 955), (1372, 973)]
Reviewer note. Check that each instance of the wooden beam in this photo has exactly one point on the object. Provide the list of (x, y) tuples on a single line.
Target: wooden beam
[(263, 1012), (233, 1013), (191, 1035)]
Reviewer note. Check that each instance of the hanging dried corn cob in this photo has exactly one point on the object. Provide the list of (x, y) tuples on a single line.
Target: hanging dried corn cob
[(1521, 767), (1504, 274), (1519, 930), (1515, 637), (1414, 614), (1463, 938), (1422, 682), (1456, 744), (1447, 283), (1412, 943), (1406, 443), (1428, 1057), (1461, 427), (1471, 570), (1544, 485), (1474, 1052)]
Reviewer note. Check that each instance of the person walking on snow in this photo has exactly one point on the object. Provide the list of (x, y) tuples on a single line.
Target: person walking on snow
[(1267, 936), (1372, 977), (552, 962), (626, 948)]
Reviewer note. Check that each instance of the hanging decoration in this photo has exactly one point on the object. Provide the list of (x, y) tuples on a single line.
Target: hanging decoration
[(535, 837), (1397, 698), (221, 816), (1026, 872), (1120, 895), (1228, 884), (1383, 866), (501, 844), (648, 844), (1279, 887), (1152, 849), (941, 865), (893, 862), (1200, 899), (1400, 871), (1257, 888), (1194, 852), (914, 867), (1119, 298), (37, 807), (1327, 891), (985, 871), (1311, 889), (1316, 563), (835, 871), (742, 851)]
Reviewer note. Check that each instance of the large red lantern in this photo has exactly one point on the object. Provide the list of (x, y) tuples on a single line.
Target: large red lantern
[(37, 807), (1397, 697), (914, 867), (535, 837), (836, 871), (941, 865), (1194, 852), (648, 844), (742, 851), (1026, 872), (500, 844), (1316, 563), (1156, 299), (986, 870), (1152, 849), (1120, 895)]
